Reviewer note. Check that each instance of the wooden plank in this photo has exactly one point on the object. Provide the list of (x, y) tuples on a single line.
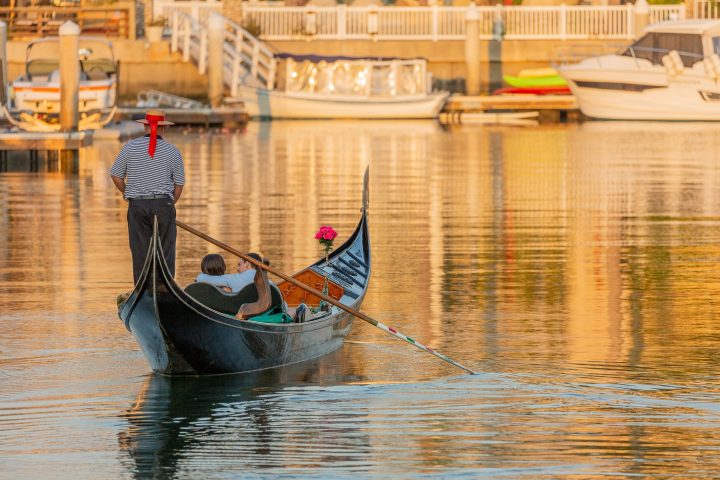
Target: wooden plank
[(187, 116), (44, 141), (511, 102)]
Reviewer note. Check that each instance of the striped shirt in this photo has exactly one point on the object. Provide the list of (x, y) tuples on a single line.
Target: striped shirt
[(145, 175)]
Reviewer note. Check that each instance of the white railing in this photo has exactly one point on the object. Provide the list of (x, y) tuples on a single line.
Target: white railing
[(661, 13), (706, 9), (189, 36), (448, 23), (246, 60), (195, 9)]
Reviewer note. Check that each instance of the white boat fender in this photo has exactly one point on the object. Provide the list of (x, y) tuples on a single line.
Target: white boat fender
[(712, 66), (673, 63)]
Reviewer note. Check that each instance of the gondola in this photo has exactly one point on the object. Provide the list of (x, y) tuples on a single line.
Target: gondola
[(185, 332)]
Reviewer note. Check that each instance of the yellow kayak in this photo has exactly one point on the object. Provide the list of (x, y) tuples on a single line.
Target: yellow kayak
[(537, 72), (550, 81)]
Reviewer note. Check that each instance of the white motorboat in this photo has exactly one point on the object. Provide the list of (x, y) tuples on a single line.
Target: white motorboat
[(347, 87), (671, 72), (35, 97)]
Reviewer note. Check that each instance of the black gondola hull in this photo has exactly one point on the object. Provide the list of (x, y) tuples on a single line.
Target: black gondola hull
[(179, 335)]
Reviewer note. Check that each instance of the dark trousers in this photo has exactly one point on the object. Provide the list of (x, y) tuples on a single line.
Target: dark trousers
[(140, 217)]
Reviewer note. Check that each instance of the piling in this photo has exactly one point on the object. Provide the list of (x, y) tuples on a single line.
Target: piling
[(642, 16), (3, 64), (495, 50), (69, 34), (216, 37), (69, 76), (472, 50)]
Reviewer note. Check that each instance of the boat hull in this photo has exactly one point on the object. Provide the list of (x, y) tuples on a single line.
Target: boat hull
[(44, 98), (179, 335), (260, 103), (681, 102), (619, 87)]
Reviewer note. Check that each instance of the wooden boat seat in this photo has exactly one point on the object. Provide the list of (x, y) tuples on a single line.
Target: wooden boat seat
[(229, 303), (294, 295)]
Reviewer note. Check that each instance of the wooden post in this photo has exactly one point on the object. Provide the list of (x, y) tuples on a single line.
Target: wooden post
[(495, 50), (3, 64), (69, 76), (472, 50), (132, 22), (175, 29), (642, 16), (216, 38)]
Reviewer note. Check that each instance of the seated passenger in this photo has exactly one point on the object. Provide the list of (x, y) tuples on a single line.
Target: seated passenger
[(213, 272), (233, 281), (260, 310), (263, 303)]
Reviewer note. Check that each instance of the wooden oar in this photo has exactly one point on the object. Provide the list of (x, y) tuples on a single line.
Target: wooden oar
[(327, 298)]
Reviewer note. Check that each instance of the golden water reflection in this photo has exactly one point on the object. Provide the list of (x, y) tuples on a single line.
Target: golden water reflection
[(581, 260)]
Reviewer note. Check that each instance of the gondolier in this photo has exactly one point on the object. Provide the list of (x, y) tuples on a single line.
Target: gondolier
[(150, 174)]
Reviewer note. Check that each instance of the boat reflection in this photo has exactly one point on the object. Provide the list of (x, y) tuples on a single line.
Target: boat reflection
[(205, 420)]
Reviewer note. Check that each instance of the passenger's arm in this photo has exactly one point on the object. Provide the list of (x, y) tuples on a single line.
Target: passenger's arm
[(262, 284)]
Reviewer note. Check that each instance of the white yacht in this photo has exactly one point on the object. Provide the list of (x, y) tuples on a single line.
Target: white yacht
[(671, 72)]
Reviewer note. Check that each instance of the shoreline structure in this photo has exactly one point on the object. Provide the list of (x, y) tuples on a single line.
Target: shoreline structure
[(453, 62), (153, 67)]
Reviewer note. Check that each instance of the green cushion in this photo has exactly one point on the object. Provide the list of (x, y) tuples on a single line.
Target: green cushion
[(269, 317)]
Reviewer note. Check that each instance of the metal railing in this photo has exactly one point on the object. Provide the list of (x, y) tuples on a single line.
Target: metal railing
[(116, 20)]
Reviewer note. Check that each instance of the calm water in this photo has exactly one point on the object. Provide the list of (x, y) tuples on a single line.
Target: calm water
[(575, 267)]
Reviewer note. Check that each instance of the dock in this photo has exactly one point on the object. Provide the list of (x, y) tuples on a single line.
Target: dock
[(60, 147), (550, 107), (230, 117)]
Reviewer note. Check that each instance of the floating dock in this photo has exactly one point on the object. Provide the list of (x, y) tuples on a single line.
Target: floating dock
[(550, 107), (511, 102), (60, 147)]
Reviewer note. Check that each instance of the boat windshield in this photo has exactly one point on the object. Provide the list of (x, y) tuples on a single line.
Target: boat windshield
[(42, 57), (655, 45), (365, 78), (716, 45)]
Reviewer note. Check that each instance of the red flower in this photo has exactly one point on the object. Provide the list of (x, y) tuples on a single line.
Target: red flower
[(325, 236)]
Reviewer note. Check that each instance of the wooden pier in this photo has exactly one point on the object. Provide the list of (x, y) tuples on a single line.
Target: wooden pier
[(59, 147), (464, 103), (231, 117), (551, 108)]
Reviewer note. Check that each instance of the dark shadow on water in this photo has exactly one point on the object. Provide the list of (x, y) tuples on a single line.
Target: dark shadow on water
[(175, 416)]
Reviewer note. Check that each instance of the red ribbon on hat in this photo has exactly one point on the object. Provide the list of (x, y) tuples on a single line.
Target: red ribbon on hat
[(153, 122)]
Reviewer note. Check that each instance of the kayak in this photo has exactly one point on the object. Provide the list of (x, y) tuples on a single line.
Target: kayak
[(551, 81), (532, 91), (537, 72)]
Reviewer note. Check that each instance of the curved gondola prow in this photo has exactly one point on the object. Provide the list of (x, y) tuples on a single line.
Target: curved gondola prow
[(362, 226), (366, 191)]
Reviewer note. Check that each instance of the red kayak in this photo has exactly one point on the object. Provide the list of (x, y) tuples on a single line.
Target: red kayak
[(533, 91)]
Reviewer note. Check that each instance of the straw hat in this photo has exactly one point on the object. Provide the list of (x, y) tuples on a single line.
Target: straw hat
[(155, 116)]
